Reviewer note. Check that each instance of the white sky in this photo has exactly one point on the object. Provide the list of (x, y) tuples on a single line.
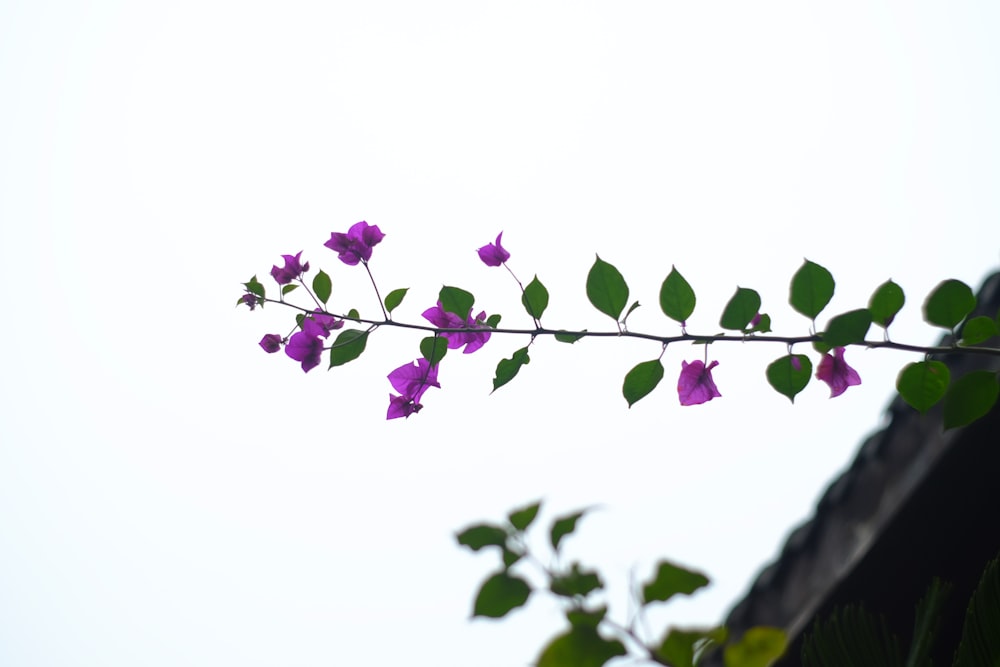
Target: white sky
[(169, 494)]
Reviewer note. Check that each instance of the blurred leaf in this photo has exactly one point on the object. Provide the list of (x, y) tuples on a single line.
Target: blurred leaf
[(811, 289), (322, 286), (978, 330), (685, 648), (927, 624), (641, 380), (851, 636), (433, 349), (922, 384), (501, 594), (759, 647), (507, 369), (785, 378), (847, 328), (456, 300), (348, 346), (949, 303), (677, 299), (535, 298), (980, 643), (886, 302), (288, 289), (589, 618), (741, 308), (566, 337), (671, 580), (582, 646), (394, 298), (970, 398), (482, 535), (523, 517), (606, 289), (510, 557), (564, 526), (575, 582)]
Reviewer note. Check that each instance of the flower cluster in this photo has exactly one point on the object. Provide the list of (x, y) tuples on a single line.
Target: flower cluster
[(356, 245), (292, 270), (411, 381), (473, 339)]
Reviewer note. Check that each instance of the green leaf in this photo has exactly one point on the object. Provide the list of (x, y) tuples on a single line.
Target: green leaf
[(576, 582), (970, 398), (510, 557), (507, 369), (759, 647), (456, 300), (582, 646), (492, 321), (763, 325), (641, 380), (589, 618), (606, 289), (851, 636), (785, 378), (741, 308), (922, 384), (353, 314), (482, 535), (394, 298), (348, 346), (564, 526), (322, 286), (433, 349), (535, 298), (811, 290), (677, 299), (254, 287), (671, 580), (848, 328), (949, 303), (977, 330), (566, 337), (980, 643), (523, 517), (684, 648), (500, 594), (886, 302), (288, 289)]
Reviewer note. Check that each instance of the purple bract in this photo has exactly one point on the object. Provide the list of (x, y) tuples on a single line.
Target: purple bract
[(834, 371), (494, 254), (292, 269), (356, 245), (695, 384), (475, 338)]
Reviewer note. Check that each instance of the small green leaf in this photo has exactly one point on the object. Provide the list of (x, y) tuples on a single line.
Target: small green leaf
[(949, 303), (254, 287), (535, 298), (288, 289), (671, 580), (322, 286), (684, 648), (564, 526), (741, 308), (970, 398), (606, 289), (922, 384), (482, 535), (582, 646), (507, 369), (811, 289), (348, 346), (394, 298), (978, 330), (510, 557), (576, 582), (523, 517), (433, 349), (848, 328), (790, 374), (589, 618), (641, 380), (759, 647), (501, 594), (353, 314), (456, 300), (677, 299), (886, 302), (492, 321), (566, 337), (763, 325)]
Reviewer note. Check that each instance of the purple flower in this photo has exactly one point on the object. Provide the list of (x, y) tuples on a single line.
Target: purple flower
[(356, 245), (271, 343), (695, 385), (249, 299), (834, 371), (326, 322), (292, 269), (411, 381), (306, 345), (472, 340), (494, 254)]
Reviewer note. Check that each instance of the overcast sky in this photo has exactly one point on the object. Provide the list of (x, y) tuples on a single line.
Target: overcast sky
[(169, 494)]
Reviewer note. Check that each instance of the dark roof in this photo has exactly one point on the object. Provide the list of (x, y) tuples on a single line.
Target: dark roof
[(912, 499)]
